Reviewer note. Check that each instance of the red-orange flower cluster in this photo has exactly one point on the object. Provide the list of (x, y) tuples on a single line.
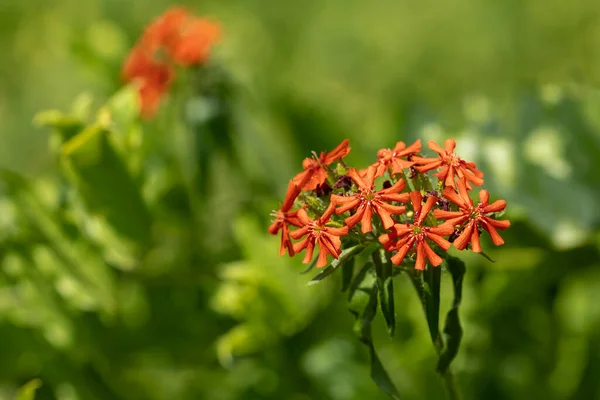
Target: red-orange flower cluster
[(175, 38), (325, 204)]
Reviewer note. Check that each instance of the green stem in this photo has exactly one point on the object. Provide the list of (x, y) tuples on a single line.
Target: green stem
[(450, 385), (438, 344)]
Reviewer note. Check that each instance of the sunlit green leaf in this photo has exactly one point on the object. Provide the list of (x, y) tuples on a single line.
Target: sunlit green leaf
[(27, 391)]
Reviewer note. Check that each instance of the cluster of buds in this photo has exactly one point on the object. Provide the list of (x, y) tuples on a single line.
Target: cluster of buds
[(176, 38), (414, 215)]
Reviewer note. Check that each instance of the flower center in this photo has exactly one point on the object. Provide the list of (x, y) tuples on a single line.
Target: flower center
[(385, 155), (453, 159), (476, 213), (368, 195), (315, 229)]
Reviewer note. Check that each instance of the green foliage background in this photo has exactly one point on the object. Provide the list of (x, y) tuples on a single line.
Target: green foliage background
[(105, 302)]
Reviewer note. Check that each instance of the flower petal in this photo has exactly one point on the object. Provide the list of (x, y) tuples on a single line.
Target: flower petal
[(394, 189), (444, 229), (390, 208), (322, 260), (449, 180), (435, 147), (318, 177), (399, 256), (420, 263), (286, 242), (415, 199), (441, 214), (439, 240), (303, 177), (347, 202), (276, 226), (450, 145), (356, 177), (339, 152), (475, 244), (464, 238), (498, 224), (366, 220), (427, 164), (496, 206), (496, 238), (343, 231), (298, 233), (354, 219), (398, 197), (386, 218), (413, 148), (434, 258), (454, 197), (431, 200)]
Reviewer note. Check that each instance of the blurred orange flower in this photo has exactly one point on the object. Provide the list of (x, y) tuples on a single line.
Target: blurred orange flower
[(175, 38)]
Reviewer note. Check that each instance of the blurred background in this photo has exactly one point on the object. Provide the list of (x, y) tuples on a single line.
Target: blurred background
[(110, 292)]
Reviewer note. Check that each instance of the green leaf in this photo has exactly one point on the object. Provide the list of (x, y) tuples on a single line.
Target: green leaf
[(310, 266), (346, 255), (486, 257), (385, 284), (363, 305), (347, 273), (452, 328), (432, 277), (27, 391), (124, 106), (92, 164), (360, 275), (78, 258)]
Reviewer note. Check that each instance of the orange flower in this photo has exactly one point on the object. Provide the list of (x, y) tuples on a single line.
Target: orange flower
[(328, 238), (153, 79), (176, 37), (185, 39), (392, 158), (314, 172), (164, 30), (451, 165), (476, 216), (405, 237), (194, 42), (285, 217), (367, 201)]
